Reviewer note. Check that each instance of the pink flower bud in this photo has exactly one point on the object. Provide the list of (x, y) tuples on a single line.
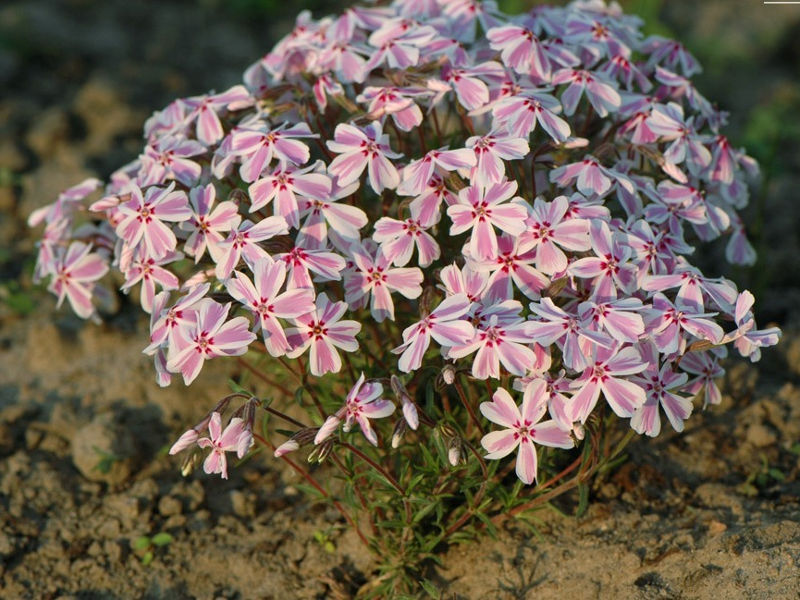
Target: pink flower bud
[(289, 445), (328, 427), (188, 438)]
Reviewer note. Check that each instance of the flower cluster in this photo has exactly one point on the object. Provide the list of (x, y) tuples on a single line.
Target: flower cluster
[(514, 198)]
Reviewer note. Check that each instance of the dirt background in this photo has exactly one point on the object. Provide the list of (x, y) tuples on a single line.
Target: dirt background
[(712, 513)]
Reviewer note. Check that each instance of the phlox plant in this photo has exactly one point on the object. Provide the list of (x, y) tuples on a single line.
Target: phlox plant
[(485, 221)]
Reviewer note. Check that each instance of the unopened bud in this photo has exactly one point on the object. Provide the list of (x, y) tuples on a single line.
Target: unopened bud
[(328, 427), (321, 452), (187, 439), (398, 433), (449, 374), (289, 445), (190, 464), (454, 451)]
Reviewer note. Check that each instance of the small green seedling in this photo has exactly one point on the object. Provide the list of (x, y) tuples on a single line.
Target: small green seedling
[(145, 546)]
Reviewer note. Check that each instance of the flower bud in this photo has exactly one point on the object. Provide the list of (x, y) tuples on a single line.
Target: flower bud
[(449, 374), (190, 464), (321, 452), (454, 451), (398, 433), (328, 427), (289, 445), (187, 439)]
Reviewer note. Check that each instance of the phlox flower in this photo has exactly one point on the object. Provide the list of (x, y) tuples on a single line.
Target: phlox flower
[(468, 82), (428, 204), (548, 228), (466, 281), (143, 219), (360, 149), (168, 158), (661, 386), (398, 42), (609, 268), (498, 341), (522, 429), (165, 322), (746, 338), (259, 145), (74, 274), (511, 269), (666, 322), (418, 173), (323, 332), (285, 184), (399, 238), (617, 317), (445, 324), (220, 442), (589, 175), (203, 110), (483, 209), (397, 102), (243, 241), (577, 341), (521, 113), (301, 261), (520, 49), (705, 367), (692, 285), (209, 336), (490, 152), (151, 272), (375, 276), (344, 219), (605, 374), (261, 296), (602, 96), (362, 404), (206, 224)]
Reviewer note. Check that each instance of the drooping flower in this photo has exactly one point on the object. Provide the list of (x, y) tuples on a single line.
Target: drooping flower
[(362, 404), (220, 442), (75, 272)]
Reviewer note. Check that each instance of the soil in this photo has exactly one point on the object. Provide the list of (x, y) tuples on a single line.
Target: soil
[(707, 514)]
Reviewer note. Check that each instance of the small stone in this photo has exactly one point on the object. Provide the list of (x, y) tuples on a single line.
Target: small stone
[(109, 529), (760, 435), (124, 508), (174, 522), (169, 505), (33, 437), (103, 451), (113, 550), (716, 527), (95, 549), (242, 504)]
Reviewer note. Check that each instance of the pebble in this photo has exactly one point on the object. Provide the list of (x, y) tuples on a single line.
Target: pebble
[(169, 505), (760, 435), (103, 451)]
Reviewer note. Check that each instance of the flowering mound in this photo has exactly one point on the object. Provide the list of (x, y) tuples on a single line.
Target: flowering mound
[(432, 193)]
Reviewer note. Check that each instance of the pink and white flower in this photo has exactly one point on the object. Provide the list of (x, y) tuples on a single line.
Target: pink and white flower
[(362, 404), (360, 149), (322, 332), (522, 428)]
